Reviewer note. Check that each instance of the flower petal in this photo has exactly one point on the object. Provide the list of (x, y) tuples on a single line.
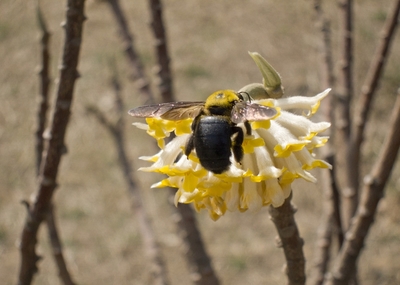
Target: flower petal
[(300, 102)]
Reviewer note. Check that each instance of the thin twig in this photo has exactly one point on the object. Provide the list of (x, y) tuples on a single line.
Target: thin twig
[(199, 262), (323, 249), (328, 78), (330, 224), (371, 81), (347, 169), (346, 67), (163, 69), (290, 240), (42, 118), (44, 87), (157, 266), (136, 65), (55, 142), (347, 174), (56, 245), (372, 192)]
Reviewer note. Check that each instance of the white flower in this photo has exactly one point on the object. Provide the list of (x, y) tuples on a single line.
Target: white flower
[(277, 152)]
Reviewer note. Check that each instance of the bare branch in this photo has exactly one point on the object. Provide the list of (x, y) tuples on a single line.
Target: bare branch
[(44, 86), (346, 67), (202, 272), (63, 272), (324, 26), (290, 240), (327, 114), (157, 266), (372, 80), (347, 171), (103, 120), (372, 192), (162, 55), (322, 255), (163, 69), (42, 118), (55, 144), (136, 65), (199, 262), (330, 225)]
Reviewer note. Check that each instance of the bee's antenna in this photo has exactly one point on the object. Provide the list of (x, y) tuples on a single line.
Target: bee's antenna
[(248, 95)]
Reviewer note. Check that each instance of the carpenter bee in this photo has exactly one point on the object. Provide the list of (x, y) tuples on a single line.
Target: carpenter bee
[(214, 128)]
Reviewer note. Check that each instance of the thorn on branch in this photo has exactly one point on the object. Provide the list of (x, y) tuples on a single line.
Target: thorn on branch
[(27, 205), (278, 242)]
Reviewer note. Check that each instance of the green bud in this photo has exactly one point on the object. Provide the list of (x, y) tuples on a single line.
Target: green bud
[(271, 78), (255, 90)]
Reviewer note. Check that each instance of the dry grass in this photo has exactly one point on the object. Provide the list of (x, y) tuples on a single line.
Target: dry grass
[(208, 41)]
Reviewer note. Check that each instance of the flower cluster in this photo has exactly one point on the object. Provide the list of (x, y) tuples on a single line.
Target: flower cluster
[(277, 152)]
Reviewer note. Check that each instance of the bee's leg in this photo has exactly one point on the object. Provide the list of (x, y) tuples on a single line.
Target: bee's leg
[(237, 148), (189, 146), (248, 128), (190, 143)]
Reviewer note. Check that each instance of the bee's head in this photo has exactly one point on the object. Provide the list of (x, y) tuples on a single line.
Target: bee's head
[(221, 102)]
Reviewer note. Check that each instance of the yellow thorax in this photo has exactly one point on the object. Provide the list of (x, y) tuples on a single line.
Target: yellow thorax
[(221, 102)]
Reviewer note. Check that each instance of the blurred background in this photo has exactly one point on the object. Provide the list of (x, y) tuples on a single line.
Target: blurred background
[(208, 43)]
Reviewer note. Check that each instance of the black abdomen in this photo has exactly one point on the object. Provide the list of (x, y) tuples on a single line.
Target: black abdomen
[(212, 141)]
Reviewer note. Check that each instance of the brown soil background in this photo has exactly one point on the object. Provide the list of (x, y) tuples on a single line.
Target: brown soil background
[(208, 43)]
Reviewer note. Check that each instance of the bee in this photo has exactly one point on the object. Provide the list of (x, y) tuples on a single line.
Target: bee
[(215, 133)]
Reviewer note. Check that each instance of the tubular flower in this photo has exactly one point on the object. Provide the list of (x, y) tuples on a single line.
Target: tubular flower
[(277, 152)]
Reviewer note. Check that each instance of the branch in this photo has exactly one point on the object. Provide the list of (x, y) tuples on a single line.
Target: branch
[(327, 114), (330, 225), (157, 266), (290, 240), (103, 120), (44, 92), (322, 252), (55, 144), (199, 262), (372, 192), (44, 87), (63, 272), (162, 55), (136, 65), (372, 80), (324, 26), (331, 221), (346, 68), (348, 174), (163, 69)]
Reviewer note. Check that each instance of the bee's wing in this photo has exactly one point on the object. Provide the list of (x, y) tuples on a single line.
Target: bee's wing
[(246, 111), (172, 111)]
